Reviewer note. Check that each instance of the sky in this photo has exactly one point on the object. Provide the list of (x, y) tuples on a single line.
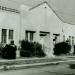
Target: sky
[(64, 8)]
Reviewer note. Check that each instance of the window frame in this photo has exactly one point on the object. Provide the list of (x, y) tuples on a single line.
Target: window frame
[(4, 36), (11, 34), (29, 35)]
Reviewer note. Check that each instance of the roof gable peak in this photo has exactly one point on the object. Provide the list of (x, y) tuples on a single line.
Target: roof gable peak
[(47, 5), (45, 2)]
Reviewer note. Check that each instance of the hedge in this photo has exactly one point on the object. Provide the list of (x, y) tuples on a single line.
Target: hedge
[(62, 48), (8, 52), (31, 49)]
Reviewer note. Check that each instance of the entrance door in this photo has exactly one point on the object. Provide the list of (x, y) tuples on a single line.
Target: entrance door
[(45, 42), (44, 38)]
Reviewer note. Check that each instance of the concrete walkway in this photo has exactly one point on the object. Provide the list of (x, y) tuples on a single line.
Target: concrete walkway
[(31, 62), (58, 69)]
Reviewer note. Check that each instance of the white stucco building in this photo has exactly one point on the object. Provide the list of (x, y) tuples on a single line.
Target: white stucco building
[(39, 23)]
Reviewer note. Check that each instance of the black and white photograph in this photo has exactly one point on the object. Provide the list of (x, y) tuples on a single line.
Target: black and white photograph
[(37, 37)]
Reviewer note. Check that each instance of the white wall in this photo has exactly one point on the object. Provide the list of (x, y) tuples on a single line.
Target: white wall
[(10, 20), (41, 19), (69, 29)]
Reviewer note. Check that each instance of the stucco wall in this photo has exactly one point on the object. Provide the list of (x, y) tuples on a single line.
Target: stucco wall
[(41, 19), (8, 21), (69, 29)]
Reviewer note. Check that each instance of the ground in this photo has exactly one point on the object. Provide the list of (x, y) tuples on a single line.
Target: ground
[(59, 69)]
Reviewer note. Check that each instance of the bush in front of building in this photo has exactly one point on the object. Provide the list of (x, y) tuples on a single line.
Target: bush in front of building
[(31, 49), (26, 49), (8, 52), (1, 48), (74, 49), (72, 66), (62, 48), (38, 51)]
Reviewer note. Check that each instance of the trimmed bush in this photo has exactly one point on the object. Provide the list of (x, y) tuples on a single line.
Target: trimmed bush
[(72, 66), (38, 51), (26, 49), (62, 48), (1, 48), (9, 52), (31, 49), (24, 53), (74, 49)]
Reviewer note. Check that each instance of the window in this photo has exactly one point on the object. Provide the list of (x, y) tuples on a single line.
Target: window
[(4, 35), (29, 35), (72, 40), (11, 34)]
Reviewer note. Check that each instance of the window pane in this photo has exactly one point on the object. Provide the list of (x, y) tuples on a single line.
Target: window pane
[(26, 36), (31, 36), (11, 34), (4, 32), (72, 40)]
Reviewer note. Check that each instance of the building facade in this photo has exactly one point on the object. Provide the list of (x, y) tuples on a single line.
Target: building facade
[(39, 23), (9, 22)]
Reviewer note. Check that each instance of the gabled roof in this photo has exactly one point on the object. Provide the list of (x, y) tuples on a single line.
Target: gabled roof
[(65, 9), (45, 2)]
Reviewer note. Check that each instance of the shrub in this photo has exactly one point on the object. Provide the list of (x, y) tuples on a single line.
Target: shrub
[(38, 50), (72, 66), (9, 52), (26, 49), (24, 53), (31, 49), (1, 47), (62, 48), (74, 49)]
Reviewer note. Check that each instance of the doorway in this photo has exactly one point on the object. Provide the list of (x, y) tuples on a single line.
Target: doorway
[(45, 41)]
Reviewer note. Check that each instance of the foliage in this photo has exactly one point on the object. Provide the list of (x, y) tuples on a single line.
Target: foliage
[(31, 49), (62, 48), (9, 52), (74, 49), (38, 51), (1, 47), (26, 49), (72, 66)]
